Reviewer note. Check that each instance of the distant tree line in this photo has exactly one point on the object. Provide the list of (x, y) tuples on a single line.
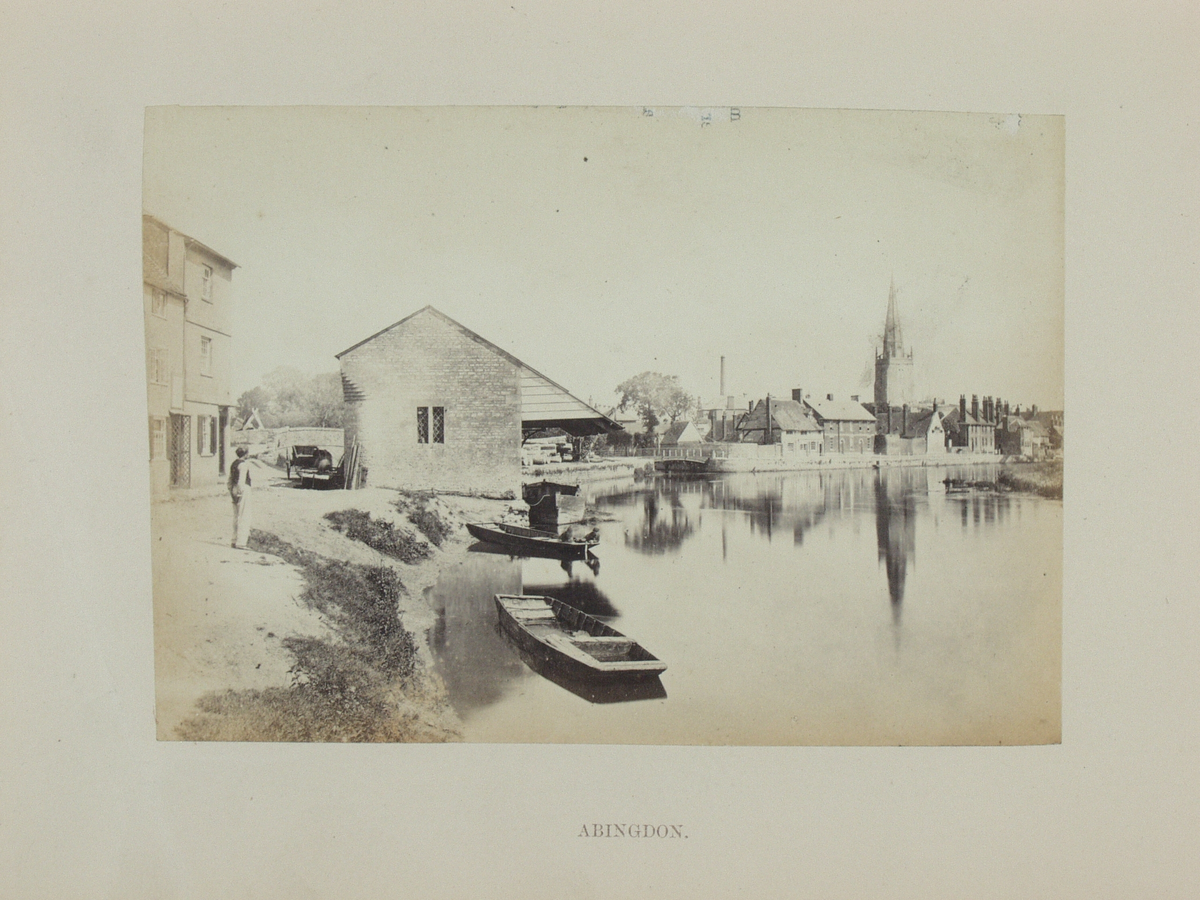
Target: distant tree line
[(289, 397)]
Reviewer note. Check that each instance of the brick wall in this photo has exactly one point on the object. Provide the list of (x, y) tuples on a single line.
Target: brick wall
[(428, 362), (854, 437)]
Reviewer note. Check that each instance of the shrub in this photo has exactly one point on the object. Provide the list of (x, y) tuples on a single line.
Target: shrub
[(427, 521), (342, 689)]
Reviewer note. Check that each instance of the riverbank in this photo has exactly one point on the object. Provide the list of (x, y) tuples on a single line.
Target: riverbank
[(604, 469), (1042, 478), (311, 634), (751, 465)]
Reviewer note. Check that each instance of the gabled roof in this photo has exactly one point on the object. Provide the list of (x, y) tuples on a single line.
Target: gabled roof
[(544, 403), (919, 421), (676, 430), (191, 241), (786, 415), (840, 410), (952, 420)]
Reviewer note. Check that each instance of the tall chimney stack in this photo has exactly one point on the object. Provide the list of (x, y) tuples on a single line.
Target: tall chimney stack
[(798, 394), (962, 407), (723, 394), (975, 406)]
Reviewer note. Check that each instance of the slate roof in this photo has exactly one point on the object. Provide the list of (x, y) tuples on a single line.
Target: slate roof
[(786, 415), (918, 422), (951, 420), (544, 403), (840, 410)]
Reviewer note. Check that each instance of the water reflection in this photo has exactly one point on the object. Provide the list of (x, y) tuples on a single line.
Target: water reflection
[(779, 612), (772, 502), (567, 565), (583, 595), (664, 524), (472, 660), (895, 531)]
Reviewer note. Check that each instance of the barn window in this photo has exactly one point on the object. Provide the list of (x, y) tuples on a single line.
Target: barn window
[(422, 424), (206, 274), (439, 425)]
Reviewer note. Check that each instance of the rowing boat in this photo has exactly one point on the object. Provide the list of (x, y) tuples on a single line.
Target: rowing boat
[(531, 541), (579, 645)]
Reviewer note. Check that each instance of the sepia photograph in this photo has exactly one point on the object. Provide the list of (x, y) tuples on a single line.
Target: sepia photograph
[(605, 425), (599, 450)]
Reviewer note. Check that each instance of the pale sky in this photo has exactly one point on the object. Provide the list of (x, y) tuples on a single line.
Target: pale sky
[(596, 243)]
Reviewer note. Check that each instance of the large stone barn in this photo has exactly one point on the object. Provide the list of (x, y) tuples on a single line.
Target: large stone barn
[(431, 405)]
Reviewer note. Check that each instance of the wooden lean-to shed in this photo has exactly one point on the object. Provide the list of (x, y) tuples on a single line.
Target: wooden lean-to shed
[(431, 405)]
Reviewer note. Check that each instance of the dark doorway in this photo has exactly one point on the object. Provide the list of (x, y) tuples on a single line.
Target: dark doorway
[(222, 428)]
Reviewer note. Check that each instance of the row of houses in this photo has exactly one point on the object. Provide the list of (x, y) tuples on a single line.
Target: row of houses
[(893, 424), (808, 426)]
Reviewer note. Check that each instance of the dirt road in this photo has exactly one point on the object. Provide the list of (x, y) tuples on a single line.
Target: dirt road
[(221, 615)]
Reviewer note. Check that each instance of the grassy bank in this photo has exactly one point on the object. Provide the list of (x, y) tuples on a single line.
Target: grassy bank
[(365, 683), (1044, 479)]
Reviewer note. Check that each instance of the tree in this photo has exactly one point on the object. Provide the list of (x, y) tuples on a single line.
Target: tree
[(655, 397), (288, 396)]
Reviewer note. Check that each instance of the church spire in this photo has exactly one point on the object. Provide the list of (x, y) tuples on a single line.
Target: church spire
[(893, 343)]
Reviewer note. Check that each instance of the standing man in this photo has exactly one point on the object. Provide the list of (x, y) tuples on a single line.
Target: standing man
[(239, 490)]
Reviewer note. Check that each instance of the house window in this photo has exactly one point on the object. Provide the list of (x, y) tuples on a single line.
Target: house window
[(156, 366), (158, 437), (206, 435), (206, 356), (439, 424), (158, 302), (206, 282), (422, 424)]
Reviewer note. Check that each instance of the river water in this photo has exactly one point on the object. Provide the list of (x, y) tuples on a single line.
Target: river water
[(838, 607)]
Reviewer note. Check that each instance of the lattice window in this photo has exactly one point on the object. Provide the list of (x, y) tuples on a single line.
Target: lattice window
[(181, 446), (439, 425), (422, 424)]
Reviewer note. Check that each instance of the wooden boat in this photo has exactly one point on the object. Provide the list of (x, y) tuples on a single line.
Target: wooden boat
[(532, 542), (578, 645)]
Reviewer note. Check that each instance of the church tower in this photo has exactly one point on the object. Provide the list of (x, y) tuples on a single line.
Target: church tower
[(893, 366)]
